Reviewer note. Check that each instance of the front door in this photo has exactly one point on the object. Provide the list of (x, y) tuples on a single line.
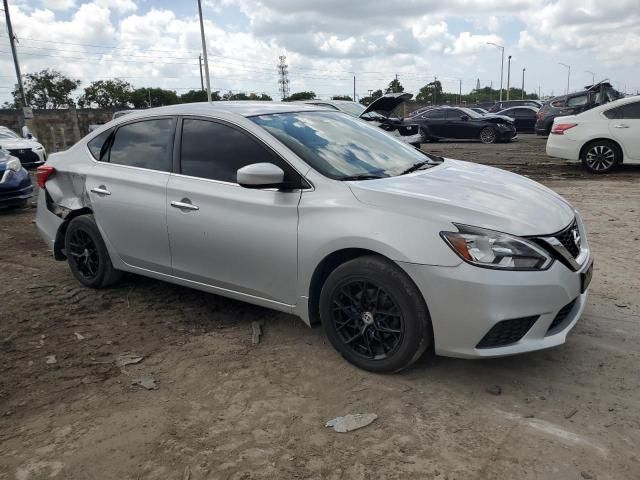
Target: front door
[(227, 236), (127, 189)]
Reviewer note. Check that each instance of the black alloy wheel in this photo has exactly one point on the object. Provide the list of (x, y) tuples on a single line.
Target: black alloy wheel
[(374, 315), (488, 135), (601, 156), (87, 254), (367, 319)]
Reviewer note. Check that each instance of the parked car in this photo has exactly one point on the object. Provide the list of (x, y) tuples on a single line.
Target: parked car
[(464, 123), (313, 212), (30, 152), (601, 138), (524, 117), (379, 114), (420, 110), (15, 183), (574, 103), (499, 106)]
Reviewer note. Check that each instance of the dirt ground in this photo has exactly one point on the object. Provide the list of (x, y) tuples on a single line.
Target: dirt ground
[(227, 409)]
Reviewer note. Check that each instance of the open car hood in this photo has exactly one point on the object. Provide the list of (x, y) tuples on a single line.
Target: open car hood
[(387, 103)]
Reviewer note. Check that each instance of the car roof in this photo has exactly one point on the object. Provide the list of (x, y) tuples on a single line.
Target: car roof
[(529, 107), (244, 108)]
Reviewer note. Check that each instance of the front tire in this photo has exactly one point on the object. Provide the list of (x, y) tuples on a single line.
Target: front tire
[(601, 156), (87, 254), (374, 315), (488, 135)]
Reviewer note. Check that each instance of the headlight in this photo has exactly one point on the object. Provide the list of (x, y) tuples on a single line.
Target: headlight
[(490, 249), (39, 147), (14, 164)]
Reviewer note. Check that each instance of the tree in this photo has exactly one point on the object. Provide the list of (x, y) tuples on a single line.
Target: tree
[(366, 101), (153, 97), (193, 96), (300, 96), (48, 88), (114, 93), (395, 86), (342, 97), (430, 92)]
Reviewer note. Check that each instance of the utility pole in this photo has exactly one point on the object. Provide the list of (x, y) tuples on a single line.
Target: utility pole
[(204, 51), (509, 78), (523, 70), (568, 67), (16, 64), (283, 71), (539, 93), (460, 94), (435, 89), (593, 77), (354, 88), (501, 65), (201, 78)]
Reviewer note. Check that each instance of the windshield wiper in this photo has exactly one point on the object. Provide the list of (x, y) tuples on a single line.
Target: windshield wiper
[(417, 166), (362, 176)]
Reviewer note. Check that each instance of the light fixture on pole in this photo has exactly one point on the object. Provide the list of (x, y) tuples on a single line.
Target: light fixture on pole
[(568, 67), (593, 77), (204, 52), (508, 78), (501, 65), (523, 70)]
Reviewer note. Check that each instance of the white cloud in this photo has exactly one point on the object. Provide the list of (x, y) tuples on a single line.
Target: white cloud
[(58, 4), (121, 6)]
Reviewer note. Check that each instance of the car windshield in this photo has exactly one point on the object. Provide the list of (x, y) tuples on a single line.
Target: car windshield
[(8, 134), (342, 147), (352, 108)]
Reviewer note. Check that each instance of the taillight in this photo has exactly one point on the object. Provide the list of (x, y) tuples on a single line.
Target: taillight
[(538, 115), (560, 128), (43, 173)]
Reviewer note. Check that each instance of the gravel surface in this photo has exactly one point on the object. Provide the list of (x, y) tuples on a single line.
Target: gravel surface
[(147, 380)]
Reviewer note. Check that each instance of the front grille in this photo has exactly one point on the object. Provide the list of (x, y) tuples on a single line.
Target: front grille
[(25, 155), (507, 332), (562, 315), (566, 237)]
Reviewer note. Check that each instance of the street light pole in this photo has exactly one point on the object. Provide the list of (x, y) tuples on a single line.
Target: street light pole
[(509, 78), (593, 77), (204, 52), (568, 67), (501, 65), (523, 70), (12, 42)]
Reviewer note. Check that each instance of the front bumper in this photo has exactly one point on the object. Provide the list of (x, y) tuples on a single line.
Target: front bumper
[(15, 187), (29, 157), (465, 302)]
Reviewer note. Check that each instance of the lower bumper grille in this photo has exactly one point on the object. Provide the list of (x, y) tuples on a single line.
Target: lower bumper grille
[(507, 332), (562, 315), (25, 155)]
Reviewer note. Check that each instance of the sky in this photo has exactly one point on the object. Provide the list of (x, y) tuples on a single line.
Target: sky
[(156, 43)]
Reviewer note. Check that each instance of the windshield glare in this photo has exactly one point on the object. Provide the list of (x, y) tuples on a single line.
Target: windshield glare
[(338, 145), (352, 108)]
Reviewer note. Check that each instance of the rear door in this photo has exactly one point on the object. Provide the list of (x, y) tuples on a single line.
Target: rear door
[(233, 238), (435, 121), (127, 189), (624, 125)]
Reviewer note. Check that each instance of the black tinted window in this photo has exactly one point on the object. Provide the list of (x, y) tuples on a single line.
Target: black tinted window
[(577, 101), (95, 145), (631, 111), (216, 151), (144, 144), (455, 114), (435, 114)]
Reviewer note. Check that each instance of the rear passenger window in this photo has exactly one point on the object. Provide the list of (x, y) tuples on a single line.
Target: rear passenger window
[(577, 101), (435, 115), (630, 111), (95, 145), (144, 144), (216, 151)]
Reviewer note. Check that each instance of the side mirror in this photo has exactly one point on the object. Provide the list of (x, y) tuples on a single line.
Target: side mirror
[(464, 117), (260, 175)]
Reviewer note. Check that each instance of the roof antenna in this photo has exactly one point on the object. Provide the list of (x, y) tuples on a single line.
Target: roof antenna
[(204, 51)]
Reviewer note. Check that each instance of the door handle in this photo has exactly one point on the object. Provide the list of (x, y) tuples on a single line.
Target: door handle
[(184, 205), (101, 190), (622, 125)]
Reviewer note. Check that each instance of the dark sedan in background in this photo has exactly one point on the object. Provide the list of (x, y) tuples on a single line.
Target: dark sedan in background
[(524, 117), (464, 124), (15, 184)]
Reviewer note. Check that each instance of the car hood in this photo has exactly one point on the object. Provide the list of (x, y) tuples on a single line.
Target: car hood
[(18, 143), (472, 194), (496, 116), (387, 103)]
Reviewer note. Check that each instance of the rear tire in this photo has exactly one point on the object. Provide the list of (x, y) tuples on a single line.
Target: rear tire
[(87, 254), (488, 135), (374, 315), (601, 156)]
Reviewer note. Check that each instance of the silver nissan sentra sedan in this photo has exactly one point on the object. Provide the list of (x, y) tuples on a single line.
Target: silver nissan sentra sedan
[(316, 213)]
